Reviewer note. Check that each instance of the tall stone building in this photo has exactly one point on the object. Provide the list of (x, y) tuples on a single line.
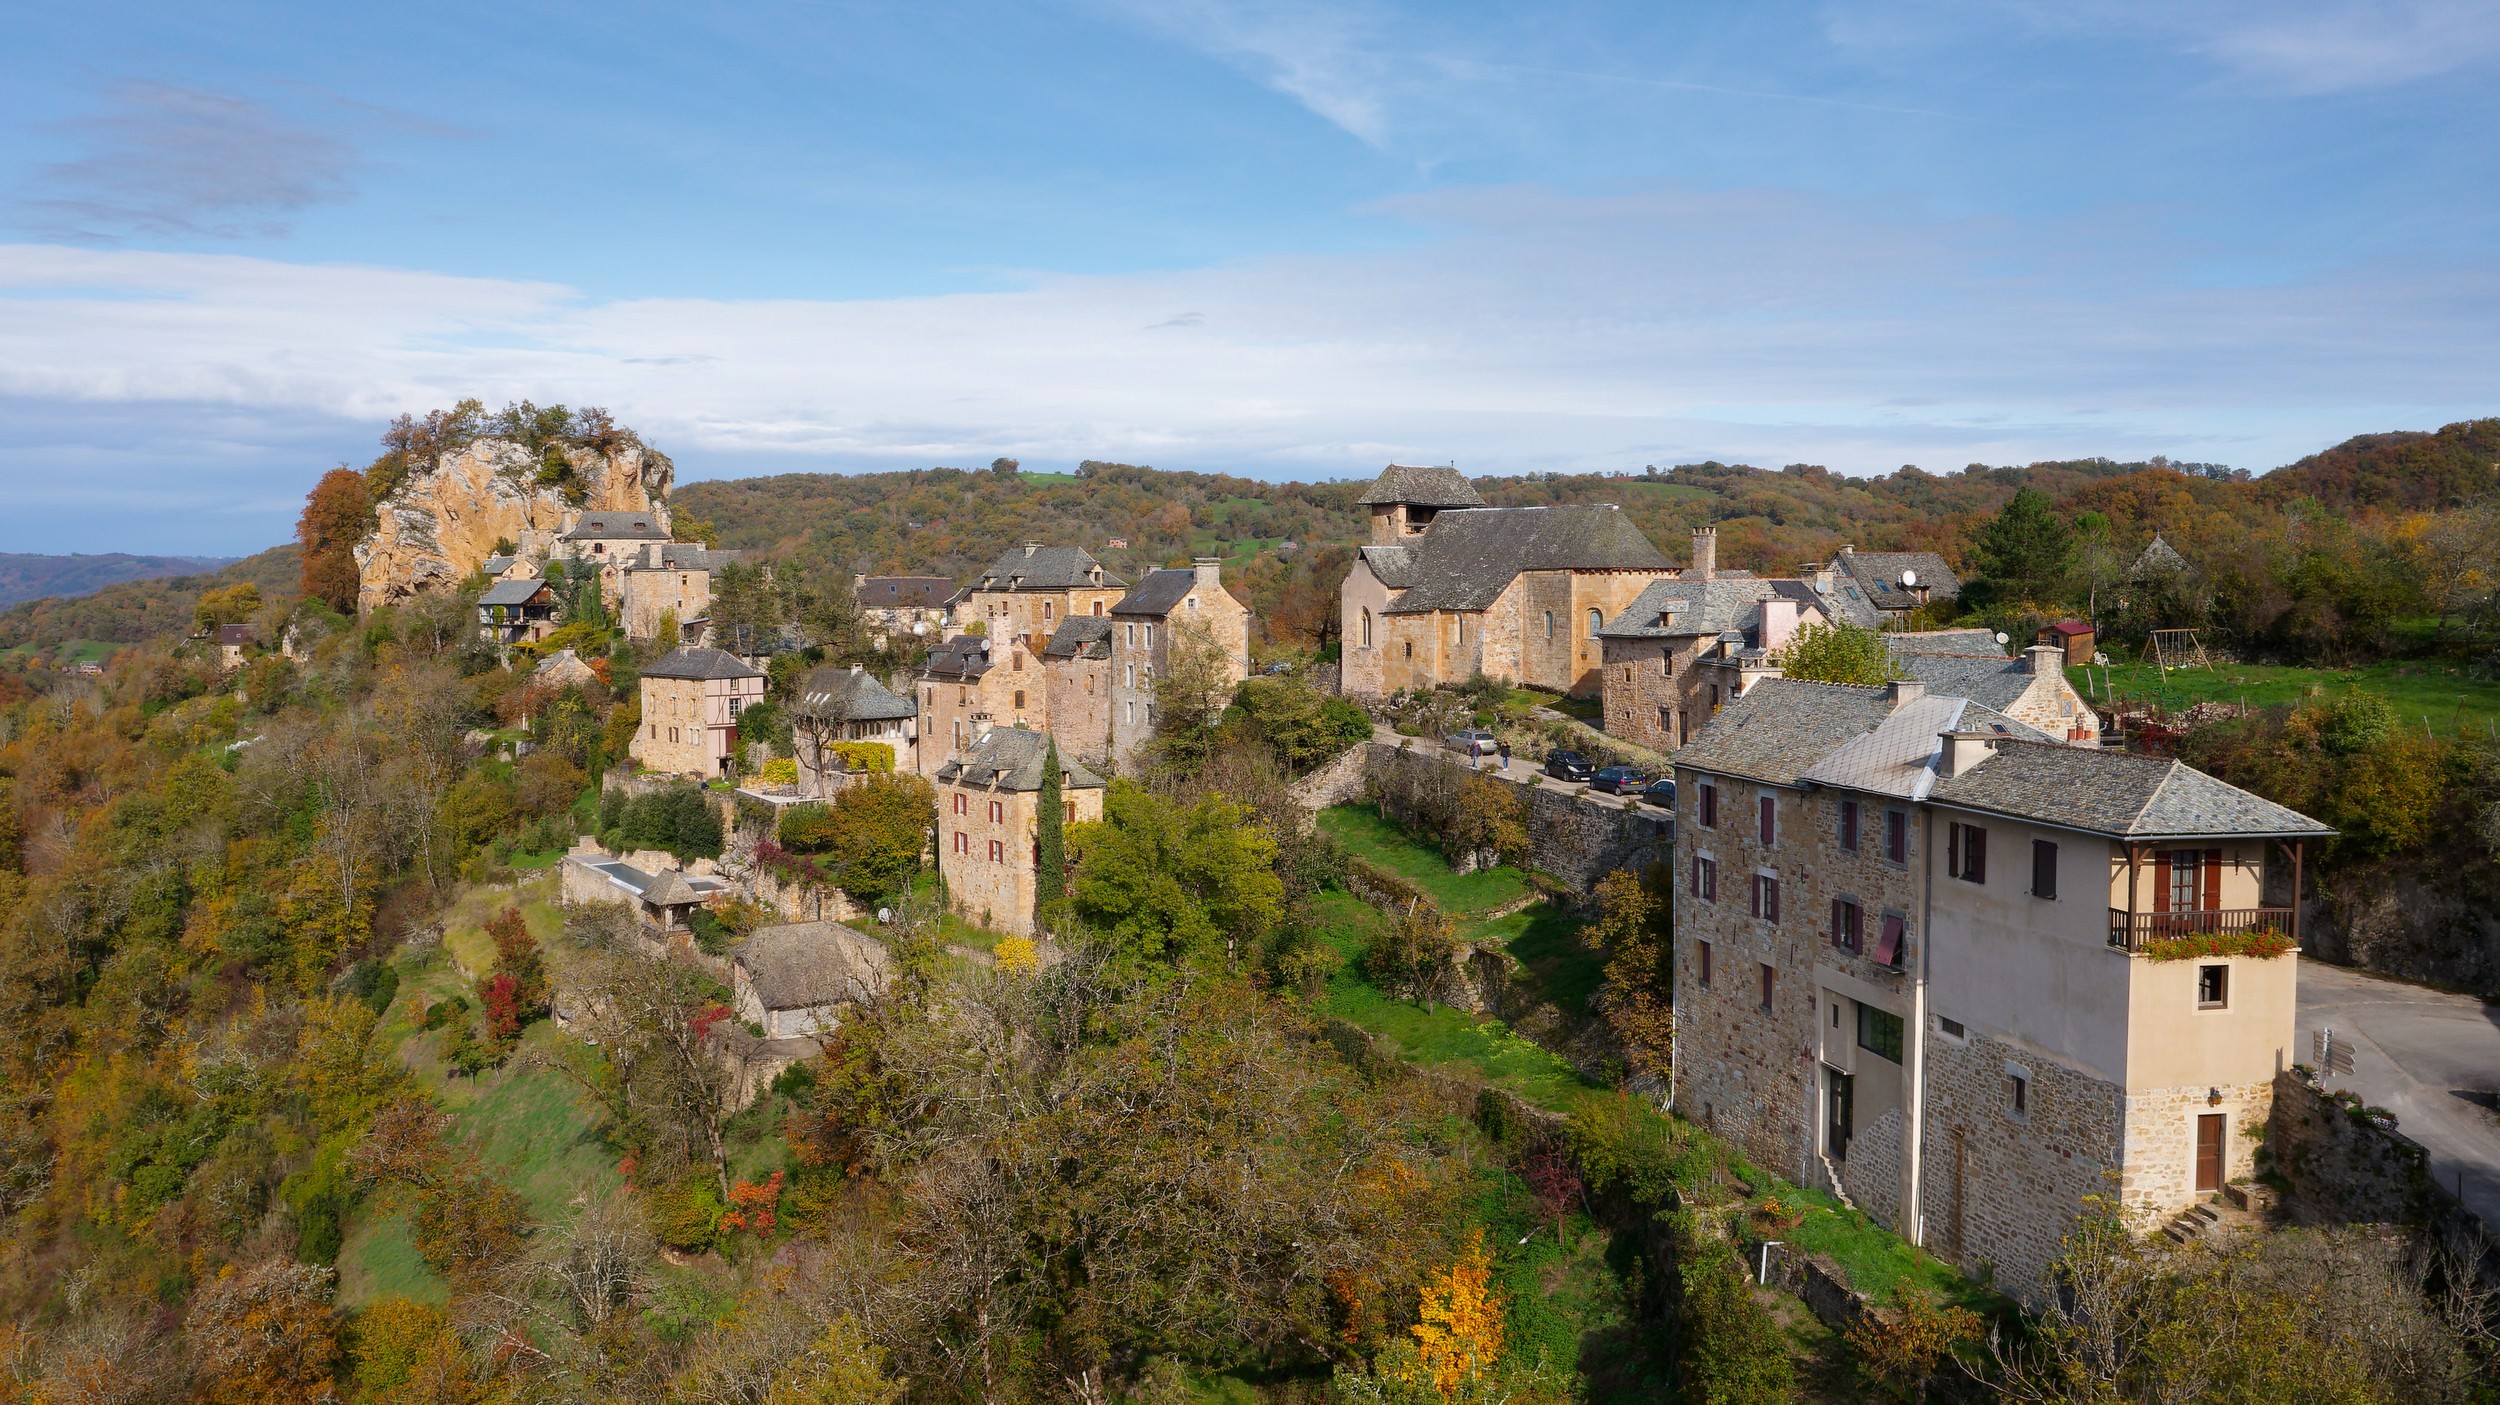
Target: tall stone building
[(1448, 588), (662, 580), (691, 699), (972, 683), (989, 824), (1920, 956), (1031, 589), (604, 541), (1687, 645), (1077, 665), (1169, 610)]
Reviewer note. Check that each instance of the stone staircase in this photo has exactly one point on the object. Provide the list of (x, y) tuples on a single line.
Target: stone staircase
[(1831, 1181), (2191, 1224)]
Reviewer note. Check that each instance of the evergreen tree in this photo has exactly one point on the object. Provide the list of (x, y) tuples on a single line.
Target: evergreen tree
[(2023, 554), (1050, 867)]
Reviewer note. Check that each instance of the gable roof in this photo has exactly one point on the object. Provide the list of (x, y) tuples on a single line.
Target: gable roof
[(965, 656), (1420, 486), (700, 663), (1393, 566), (1878, 574), (497, 565), (2119, 794), (904, 592), (1900, 755), (1010, 758), (1903, 643), (1779, 728), (1465, 560), (563, 663), (1694, 606), (1034, 566), (617, 526), (807, 965), (2157, 558), (515, 592), (1080, 636), (683, 556), (1159, 593), (850, 694), (237, 634), (2068, 629)]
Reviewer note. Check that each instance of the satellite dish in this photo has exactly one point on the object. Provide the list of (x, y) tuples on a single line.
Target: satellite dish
[(1909, 577), (884, 915), (2001, 637), (920, 627)]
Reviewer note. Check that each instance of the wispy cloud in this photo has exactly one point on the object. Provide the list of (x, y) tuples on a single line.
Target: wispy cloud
[(1329, 57), (163, 161)]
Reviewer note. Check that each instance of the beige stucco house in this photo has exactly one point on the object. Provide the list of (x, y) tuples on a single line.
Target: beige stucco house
[(691, 699), (1921, 956), (989, 824)]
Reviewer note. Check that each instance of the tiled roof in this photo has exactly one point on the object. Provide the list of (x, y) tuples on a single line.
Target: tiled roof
[(904, 592), (1080, 636), (700, 663), (1394, 566), (1466, 559), (2116, 793), (1036, 567), (1878, 574), (1010, 758), (1420, 486), (807, 965), (1900, 755), (2159, 557), (1694, 606), (617, 526), (840, 694), (2070, 629), (1160, 593), (1780, 727), (515, 592), (965, 656)]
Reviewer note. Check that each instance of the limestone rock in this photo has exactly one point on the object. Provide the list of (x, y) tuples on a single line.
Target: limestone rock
[(444, 519)]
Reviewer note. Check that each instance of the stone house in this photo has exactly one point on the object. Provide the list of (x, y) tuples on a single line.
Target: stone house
[(663, 899), (989, 824), (1167, 606), (972, 683), (517, 611), (838, 703), (232, 640), (1917, 959), (1030, 589), (506, 567), (603, 540), (1971, 663), (1448, 588), (1077, 666), (666, 579), (1879, 589), (903, 605), (1689, 644), (564, 669), (691, 699), (796, 979)]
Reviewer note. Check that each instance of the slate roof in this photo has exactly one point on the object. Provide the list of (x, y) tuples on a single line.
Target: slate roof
[(1394, 565), (234, 634), (1780, 727), (700, 663), (1991, 680), (2117, 793), (904, 592), (1420, 486), (809, 965), (497, 565), (1466, 559), (965, 656), (840, 694), (1036, 567), (1899, 757), (617, 526), (563, 664), (1080, 636), (1902, 643), (2158, 556), (1695, 606), (668, 888), (1010, 758), (685, 556), (1160, 593), (519, 592), (1867, 584)]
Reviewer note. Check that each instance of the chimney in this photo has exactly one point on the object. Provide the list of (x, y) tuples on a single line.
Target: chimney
[(1848, 550), (1904, 690), (1705, 553), (1031, 547), (1210, 571), (856, 670), (2043, 660), (1779, 622), (1963, 750)]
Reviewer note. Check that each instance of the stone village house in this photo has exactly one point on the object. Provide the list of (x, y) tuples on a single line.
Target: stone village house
[(903, 605), (1691, 643), (604, 540), (1879, 589), (1031, 589), (1911, 962), (1449, 588), (972, 683), (839, 703), (989, 828), (1970, 663), (1166, 607), (521, 610), (667, 579), (691, 699), (797, 978)]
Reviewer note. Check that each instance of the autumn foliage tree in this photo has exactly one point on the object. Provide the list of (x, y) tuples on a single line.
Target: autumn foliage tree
[(516, 987), (1635, 928), (334, 520)]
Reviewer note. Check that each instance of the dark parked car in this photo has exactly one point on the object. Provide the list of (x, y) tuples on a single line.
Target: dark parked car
[(1568, 766), (1618, 780), (1472, 742), (1660, 792)]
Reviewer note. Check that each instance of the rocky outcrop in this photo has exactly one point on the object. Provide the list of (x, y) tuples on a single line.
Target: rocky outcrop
[(443, 520)]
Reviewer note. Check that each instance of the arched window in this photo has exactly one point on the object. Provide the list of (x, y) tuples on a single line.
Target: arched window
[(1595, 619), (1549, 624), (1367, 626)]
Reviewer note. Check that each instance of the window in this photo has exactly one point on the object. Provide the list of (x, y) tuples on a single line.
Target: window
[(1705, 878), (1770, 821), (1018, 664), (1549, 624), (998, 812), (1150, 634), (1849, 825), (2213, 987), (1709, 806), (1666, 664), (1019, 700), (1067, 811), (1132, 633), (998, 851), (1367, 626), (1132, 675), (1888, 945), (963, 803), (1766, 897), (1966, 853), (1951, 1029), (1366, 633), (963, 842), (1665, 723), (2018, 1093), (2043, 869), (2188, 888), (1701, 953), (1132, 714), (1191, 602), (1410, 648), (1848, 925), (1045, 612), (1596, 621), (1770, 981), (1897, 836), (1879, 1033)]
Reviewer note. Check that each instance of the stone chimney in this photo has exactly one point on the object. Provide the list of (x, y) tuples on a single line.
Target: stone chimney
[(2043, 660), (1904, 690), (1848, 550), (1031, 547), (1210, 571), (1705, 554), (1779, 623), (1817, 574), (1963, 750)]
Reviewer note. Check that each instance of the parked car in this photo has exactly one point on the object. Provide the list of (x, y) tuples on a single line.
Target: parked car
[(1472, 742), (1660, 792), (1568, 766), (1619, 780)]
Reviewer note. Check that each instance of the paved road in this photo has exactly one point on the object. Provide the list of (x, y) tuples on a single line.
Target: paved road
[(1523, 770), (2414, 1051)]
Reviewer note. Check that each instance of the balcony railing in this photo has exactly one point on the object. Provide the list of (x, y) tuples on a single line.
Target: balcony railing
[(2133, 930)]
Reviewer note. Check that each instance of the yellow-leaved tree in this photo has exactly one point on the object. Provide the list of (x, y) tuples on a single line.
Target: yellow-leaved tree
[(1459, 1337)]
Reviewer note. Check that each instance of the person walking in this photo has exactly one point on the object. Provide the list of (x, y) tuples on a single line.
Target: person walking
[(1504, 748)]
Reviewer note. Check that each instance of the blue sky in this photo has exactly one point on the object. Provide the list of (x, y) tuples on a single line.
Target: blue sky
[(1282, 239)]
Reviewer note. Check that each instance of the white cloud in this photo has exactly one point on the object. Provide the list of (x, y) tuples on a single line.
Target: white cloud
[(166, 160), (1330, 57)]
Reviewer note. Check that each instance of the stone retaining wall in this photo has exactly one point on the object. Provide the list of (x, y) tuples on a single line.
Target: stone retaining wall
[(1577, 836)]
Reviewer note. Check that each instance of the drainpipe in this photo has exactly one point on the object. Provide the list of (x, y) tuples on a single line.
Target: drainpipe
[(1914, 1084)]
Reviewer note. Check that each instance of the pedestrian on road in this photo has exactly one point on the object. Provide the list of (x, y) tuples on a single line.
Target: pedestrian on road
[(1504, 748)]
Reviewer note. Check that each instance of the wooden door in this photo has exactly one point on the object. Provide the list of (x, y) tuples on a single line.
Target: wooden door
[(2209, 1151), (1838, 1129)]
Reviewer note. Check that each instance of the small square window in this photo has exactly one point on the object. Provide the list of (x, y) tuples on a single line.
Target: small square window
[(1848, 925), (1951, 1029), (2018, 1095), (2213, 987)]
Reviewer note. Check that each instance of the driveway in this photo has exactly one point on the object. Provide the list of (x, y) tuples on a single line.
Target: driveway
[(2417, 1053), (1522, 770)]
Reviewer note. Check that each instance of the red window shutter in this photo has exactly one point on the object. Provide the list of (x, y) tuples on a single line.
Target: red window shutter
[(2213, 879), (1888, 950), (2162, 860), (1770, 821), (1839, 933), (1771, 898), (1953, 850)]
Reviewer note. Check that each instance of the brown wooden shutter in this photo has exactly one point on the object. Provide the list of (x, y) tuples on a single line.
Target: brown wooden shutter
[(2213, 879), (2161, 880)]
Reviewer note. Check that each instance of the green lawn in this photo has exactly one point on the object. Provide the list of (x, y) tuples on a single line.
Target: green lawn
[(1369, 837), (2447, 693)]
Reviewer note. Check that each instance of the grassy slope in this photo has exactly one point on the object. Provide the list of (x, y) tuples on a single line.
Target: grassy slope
[(2447, 693)]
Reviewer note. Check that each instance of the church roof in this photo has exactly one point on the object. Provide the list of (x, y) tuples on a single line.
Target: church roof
[(1465, 560), (1420, 486)]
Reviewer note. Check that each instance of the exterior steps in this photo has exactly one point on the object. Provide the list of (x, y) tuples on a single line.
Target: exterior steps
[(2192, 1223), (1831, 1178)]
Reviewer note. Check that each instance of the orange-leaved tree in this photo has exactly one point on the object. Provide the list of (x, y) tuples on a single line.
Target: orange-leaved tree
[(332, 524), (1459, 1337)]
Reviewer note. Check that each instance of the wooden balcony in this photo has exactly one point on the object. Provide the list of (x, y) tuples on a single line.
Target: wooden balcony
[(2132, 930)]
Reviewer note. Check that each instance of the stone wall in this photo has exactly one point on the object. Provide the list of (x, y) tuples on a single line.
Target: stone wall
[(1577, 836), (2159, 1175), (2343, 1168), (2000, 1189), (2401, 919)]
